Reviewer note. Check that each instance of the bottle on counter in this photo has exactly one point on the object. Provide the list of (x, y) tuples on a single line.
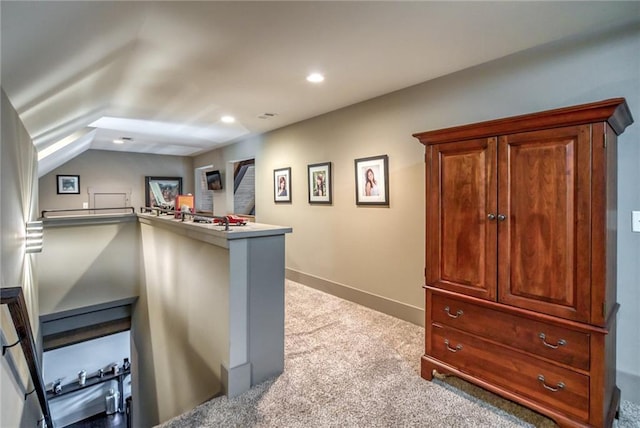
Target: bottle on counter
[(112, 400)]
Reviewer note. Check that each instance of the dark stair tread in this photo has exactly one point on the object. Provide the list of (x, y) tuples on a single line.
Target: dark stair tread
[(102, 420)]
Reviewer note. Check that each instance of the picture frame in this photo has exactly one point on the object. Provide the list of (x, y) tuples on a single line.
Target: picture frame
[(68, 184), (374, 192), (214, 180), (162, 191), (282, 185), (319, 183)]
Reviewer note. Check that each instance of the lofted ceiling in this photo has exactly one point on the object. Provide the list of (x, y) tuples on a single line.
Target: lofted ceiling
[(163, 73)]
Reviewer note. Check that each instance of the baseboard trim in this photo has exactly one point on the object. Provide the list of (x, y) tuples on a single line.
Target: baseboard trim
[(629, 384), (235, 380), (394, 308)]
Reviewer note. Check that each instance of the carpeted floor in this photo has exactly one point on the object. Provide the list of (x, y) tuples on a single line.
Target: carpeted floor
[(349, 366)]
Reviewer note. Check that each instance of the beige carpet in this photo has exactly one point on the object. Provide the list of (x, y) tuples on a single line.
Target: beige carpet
[(349, 366)]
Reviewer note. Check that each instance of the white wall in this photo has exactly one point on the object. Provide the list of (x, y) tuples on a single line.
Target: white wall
[(104, 169), (18, 205), (379, 252), (65, 363), (180, 325), (76, 272)]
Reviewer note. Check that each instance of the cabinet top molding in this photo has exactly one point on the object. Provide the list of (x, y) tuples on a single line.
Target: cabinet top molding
[(614, 111)]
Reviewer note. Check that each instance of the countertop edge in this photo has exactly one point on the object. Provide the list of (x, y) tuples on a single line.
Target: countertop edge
[(213, 234)]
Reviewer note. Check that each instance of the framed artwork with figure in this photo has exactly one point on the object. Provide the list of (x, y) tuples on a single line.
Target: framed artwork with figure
[(68, 184), (372, 180), (319, 180), (161, 192), (282, 185)]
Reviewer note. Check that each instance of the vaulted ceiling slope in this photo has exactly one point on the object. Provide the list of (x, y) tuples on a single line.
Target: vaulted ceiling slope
[(82, 74)]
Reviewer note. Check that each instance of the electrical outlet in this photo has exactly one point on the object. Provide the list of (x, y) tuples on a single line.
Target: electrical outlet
[(635, 221), (85, 205)]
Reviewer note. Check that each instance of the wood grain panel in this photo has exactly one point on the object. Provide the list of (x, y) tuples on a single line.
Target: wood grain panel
[(514, 370), (542, 257), (461, 241), (545, 198), (513, 331)]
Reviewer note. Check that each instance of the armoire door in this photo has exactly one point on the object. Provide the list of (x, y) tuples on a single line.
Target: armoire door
[(461, 217), (544, 205)]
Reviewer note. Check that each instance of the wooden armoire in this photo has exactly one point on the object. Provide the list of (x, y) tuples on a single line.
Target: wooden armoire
[(521, 258)]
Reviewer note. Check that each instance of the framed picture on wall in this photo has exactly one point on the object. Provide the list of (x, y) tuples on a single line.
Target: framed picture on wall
[(319, 180), (372, 180), (214, 180), (162, 191), (68, 184), (282, 185)]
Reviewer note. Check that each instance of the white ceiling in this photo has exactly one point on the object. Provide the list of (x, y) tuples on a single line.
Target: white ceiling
[(163, 73)]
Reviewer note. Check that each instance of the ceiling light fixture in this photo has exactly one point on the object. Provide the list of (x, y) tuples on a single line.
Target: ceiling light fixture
[(122, 140), (315, 78), (228, 119)]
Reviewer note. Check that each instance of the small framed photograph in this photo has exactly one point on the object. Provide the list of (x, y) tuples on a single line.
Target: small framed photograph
[(282, 185), (68, 184), (372, 180), (162, 191), (319, 177)]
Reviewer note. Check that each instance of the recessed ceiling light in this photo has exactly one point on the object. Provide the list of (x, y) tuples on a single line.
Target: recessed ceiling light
[(315, 78), (228, 119), (122, 140)]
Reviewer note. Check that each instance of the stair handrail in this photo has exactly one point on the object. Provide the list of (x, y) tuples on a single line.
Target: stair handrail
[(13, 297), (60, 210)]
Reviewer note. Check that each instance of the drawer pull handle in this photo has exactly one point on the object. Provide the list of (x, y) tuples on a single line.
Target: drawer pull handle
[(558, 387), (561, 342), (456, 349), (457, 315)]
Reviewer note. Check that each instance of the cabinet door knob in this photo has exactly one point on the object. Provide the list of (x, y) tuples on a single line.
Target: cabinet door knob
[(491, 216), (502, 217)]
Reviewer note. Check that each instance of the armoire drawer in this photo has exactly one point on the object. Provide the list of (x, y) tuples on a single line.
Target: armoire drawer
[(557, 387), (547, 340)]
